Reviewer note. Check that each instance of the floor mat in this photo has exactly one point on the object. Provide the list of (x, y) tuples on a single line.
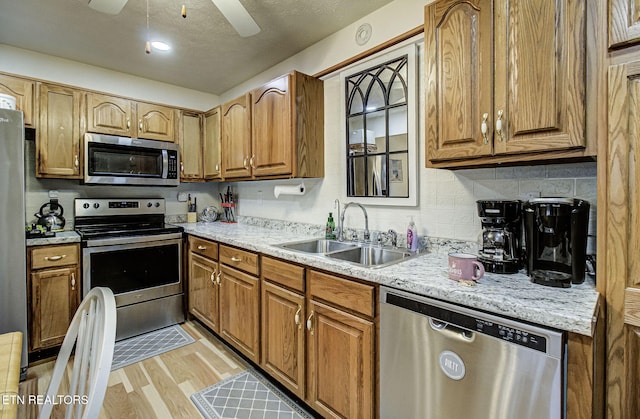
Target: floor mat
[(137, 348), (247, 395)]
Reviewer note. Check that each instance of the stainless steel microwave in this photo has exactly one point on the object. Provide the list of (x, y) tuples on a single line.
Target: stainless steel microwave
[(116, 160)]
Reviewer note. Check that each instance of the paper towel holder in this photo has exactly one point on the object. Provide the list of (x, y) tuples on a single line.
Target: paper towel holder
[(289, 189)]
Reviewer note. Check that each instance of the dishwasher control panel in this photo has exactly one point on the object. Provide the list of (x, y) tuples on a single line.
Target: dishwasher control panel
[(518, 336)]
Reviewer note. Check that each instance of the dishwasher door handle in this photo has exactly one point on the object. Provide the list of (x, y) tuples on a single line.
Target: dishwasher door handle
[(451, 331)]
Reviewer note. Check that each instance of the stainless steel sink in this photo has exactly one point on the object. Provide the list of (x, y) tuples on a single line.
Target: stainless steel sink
[(362, 254), (319, 246), (372, 256)]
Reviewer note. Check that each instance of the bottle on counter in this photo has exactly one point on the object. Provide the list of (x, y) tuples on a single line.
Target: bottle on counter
[(412, 236), (330, 232)]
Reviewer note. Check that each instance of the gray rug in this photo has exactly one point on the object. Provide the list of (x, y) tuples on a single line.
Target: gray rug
[(137, 348), (247, 395)]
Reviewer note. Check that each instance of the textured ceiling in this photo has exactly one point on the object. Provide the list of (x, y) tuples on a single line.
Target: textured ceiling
[(207, 55)]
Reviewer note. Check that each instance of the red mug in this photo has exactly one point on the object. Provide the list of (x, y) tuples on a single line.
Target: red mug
[(465, 267)]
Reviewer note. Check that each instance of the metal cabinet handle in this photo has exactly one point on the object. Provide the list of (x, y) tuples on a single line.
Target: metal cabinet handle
[(296, 318), (251, 161), (181, 166), (236, 259), (217, 167), (213, 275), (73, 281), (244, 163), (309, 324), (484, 128), (54, 258), (128, 123), (201, 247), (218, 277), (76, 161), (499, 126), (140, 124)]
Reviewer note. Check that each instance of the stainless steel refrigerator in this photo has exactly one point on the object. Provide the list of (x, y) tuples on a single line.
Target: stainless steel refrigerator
[(13, 255)]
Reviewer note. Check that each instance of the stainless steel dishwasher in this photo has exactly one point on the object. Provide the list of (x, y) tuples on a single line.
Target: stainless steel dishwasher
[(439, 360)]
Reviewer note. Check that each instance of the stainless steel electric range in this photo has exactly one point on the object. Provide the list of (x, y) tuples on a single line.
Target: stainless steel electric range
[(127, 247)]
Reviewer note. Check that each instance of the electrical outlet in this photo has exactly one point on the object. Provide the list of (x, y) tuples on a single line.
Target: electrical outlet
[(53, 194), (182, 197)]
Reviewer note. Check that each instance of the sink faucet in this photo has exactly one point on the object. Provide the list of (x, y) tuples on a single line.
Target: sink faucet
[(394, 237), (367, 235)]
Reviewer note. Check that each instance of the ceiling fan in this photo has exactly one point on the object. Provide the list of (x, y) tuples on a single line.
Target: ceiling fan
[(232, 10)]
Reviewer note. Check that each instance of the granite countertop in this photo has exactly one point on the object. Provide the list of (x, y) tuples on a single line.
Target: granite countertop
[(571, 309), (61, 237)]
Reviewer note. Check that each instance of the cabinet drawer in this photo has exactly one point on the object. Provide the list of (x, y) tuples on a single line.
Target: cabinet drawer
[(283, 273), (348, 294), (203, 247), (48, 257), (239, 259)]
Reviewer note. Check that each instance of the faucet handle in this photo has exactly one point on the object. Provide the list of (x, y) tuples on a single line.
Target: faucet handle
[(354, 236)]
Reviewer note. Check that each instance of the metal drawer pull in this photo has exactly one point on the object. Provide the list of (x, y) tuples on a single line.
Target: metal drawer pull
[(309, 324), (297, 317), (201, 247), (236, 259), (54, 258), (499, 126), (484, 129)]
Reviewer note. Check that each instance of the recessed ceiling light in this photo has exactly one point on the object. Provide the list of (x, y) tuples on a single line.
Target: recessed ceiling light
[(160, 46)]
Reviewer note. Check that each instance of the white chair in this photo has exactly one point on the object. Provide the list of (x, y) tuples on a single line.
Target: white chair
[(93, 332)]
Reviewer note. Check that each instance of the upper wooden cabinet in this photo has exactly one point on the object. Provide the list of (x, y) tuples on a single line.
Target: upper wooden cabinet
[(58, 145), (527, 103), (624, 23), (275, 131), (23, 90), (190, 142), (211, 148), (119, 116), (236, 137), (287, 133)]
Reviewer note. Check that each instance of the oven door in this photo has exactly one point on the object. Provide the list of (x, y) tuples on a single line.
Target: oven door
[(135, 271)]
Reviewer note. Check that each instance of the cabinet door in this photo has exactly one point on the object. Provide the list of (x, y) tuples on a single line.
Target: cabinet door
[(340, 363), (211, 145), (58, 145), (236, 137), (203, 290), (283, 336), (624, 22), (156, 122), (23, 90), (55, 297), (539, 75), (458, 66), (190, 141), (239, 311), (110, 115), (271, 131)]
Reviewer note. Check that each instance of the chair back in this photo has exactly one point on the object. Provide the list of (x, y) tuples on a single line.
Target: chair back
[(93, 333)]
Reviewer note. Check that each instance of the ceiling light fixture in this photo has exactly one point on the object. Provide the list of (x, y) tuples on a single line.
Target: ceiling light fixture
[(160, 45)]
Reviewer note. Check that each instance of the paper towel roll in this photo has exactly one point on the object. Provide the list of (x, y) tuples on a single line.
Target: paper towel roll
[(289, 190)]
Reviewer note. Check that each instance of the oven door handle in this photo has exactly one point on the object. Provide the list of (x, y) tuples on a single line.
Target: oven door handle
[(111, 241)]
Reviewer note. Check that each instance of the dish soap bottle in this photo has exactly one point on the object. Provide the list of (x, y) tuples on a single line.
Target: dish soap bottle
[(331, 227), (412, 236)]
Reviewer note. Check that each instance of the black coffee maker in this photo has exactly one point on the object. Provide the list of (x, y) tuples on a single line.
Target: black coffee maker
[(501, 243), (556, 240)]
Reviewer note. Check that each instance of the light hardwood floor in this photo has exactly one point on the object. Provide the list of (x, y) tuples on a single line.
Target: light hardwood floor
[(160, 387)]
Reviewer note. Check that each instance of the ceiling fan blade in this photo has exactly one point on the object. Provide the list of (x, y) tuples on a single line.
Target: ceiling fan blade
[(238, 16), (111, 7)]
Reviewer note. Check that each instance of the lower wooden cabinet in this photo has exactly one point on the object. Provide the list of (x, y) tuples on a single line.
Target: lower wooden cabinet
[(54, 293), (203, 290), (240, 311)]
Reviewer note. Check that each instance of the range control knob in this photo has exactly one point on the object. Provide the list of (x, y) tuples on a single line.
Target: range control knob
[(149, 204), (85, 205), (157, 204), (96, 205)]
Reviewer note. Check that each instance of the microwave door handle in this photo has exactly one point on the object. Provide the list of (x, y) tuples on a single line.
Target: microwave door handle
[(165, 164)]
